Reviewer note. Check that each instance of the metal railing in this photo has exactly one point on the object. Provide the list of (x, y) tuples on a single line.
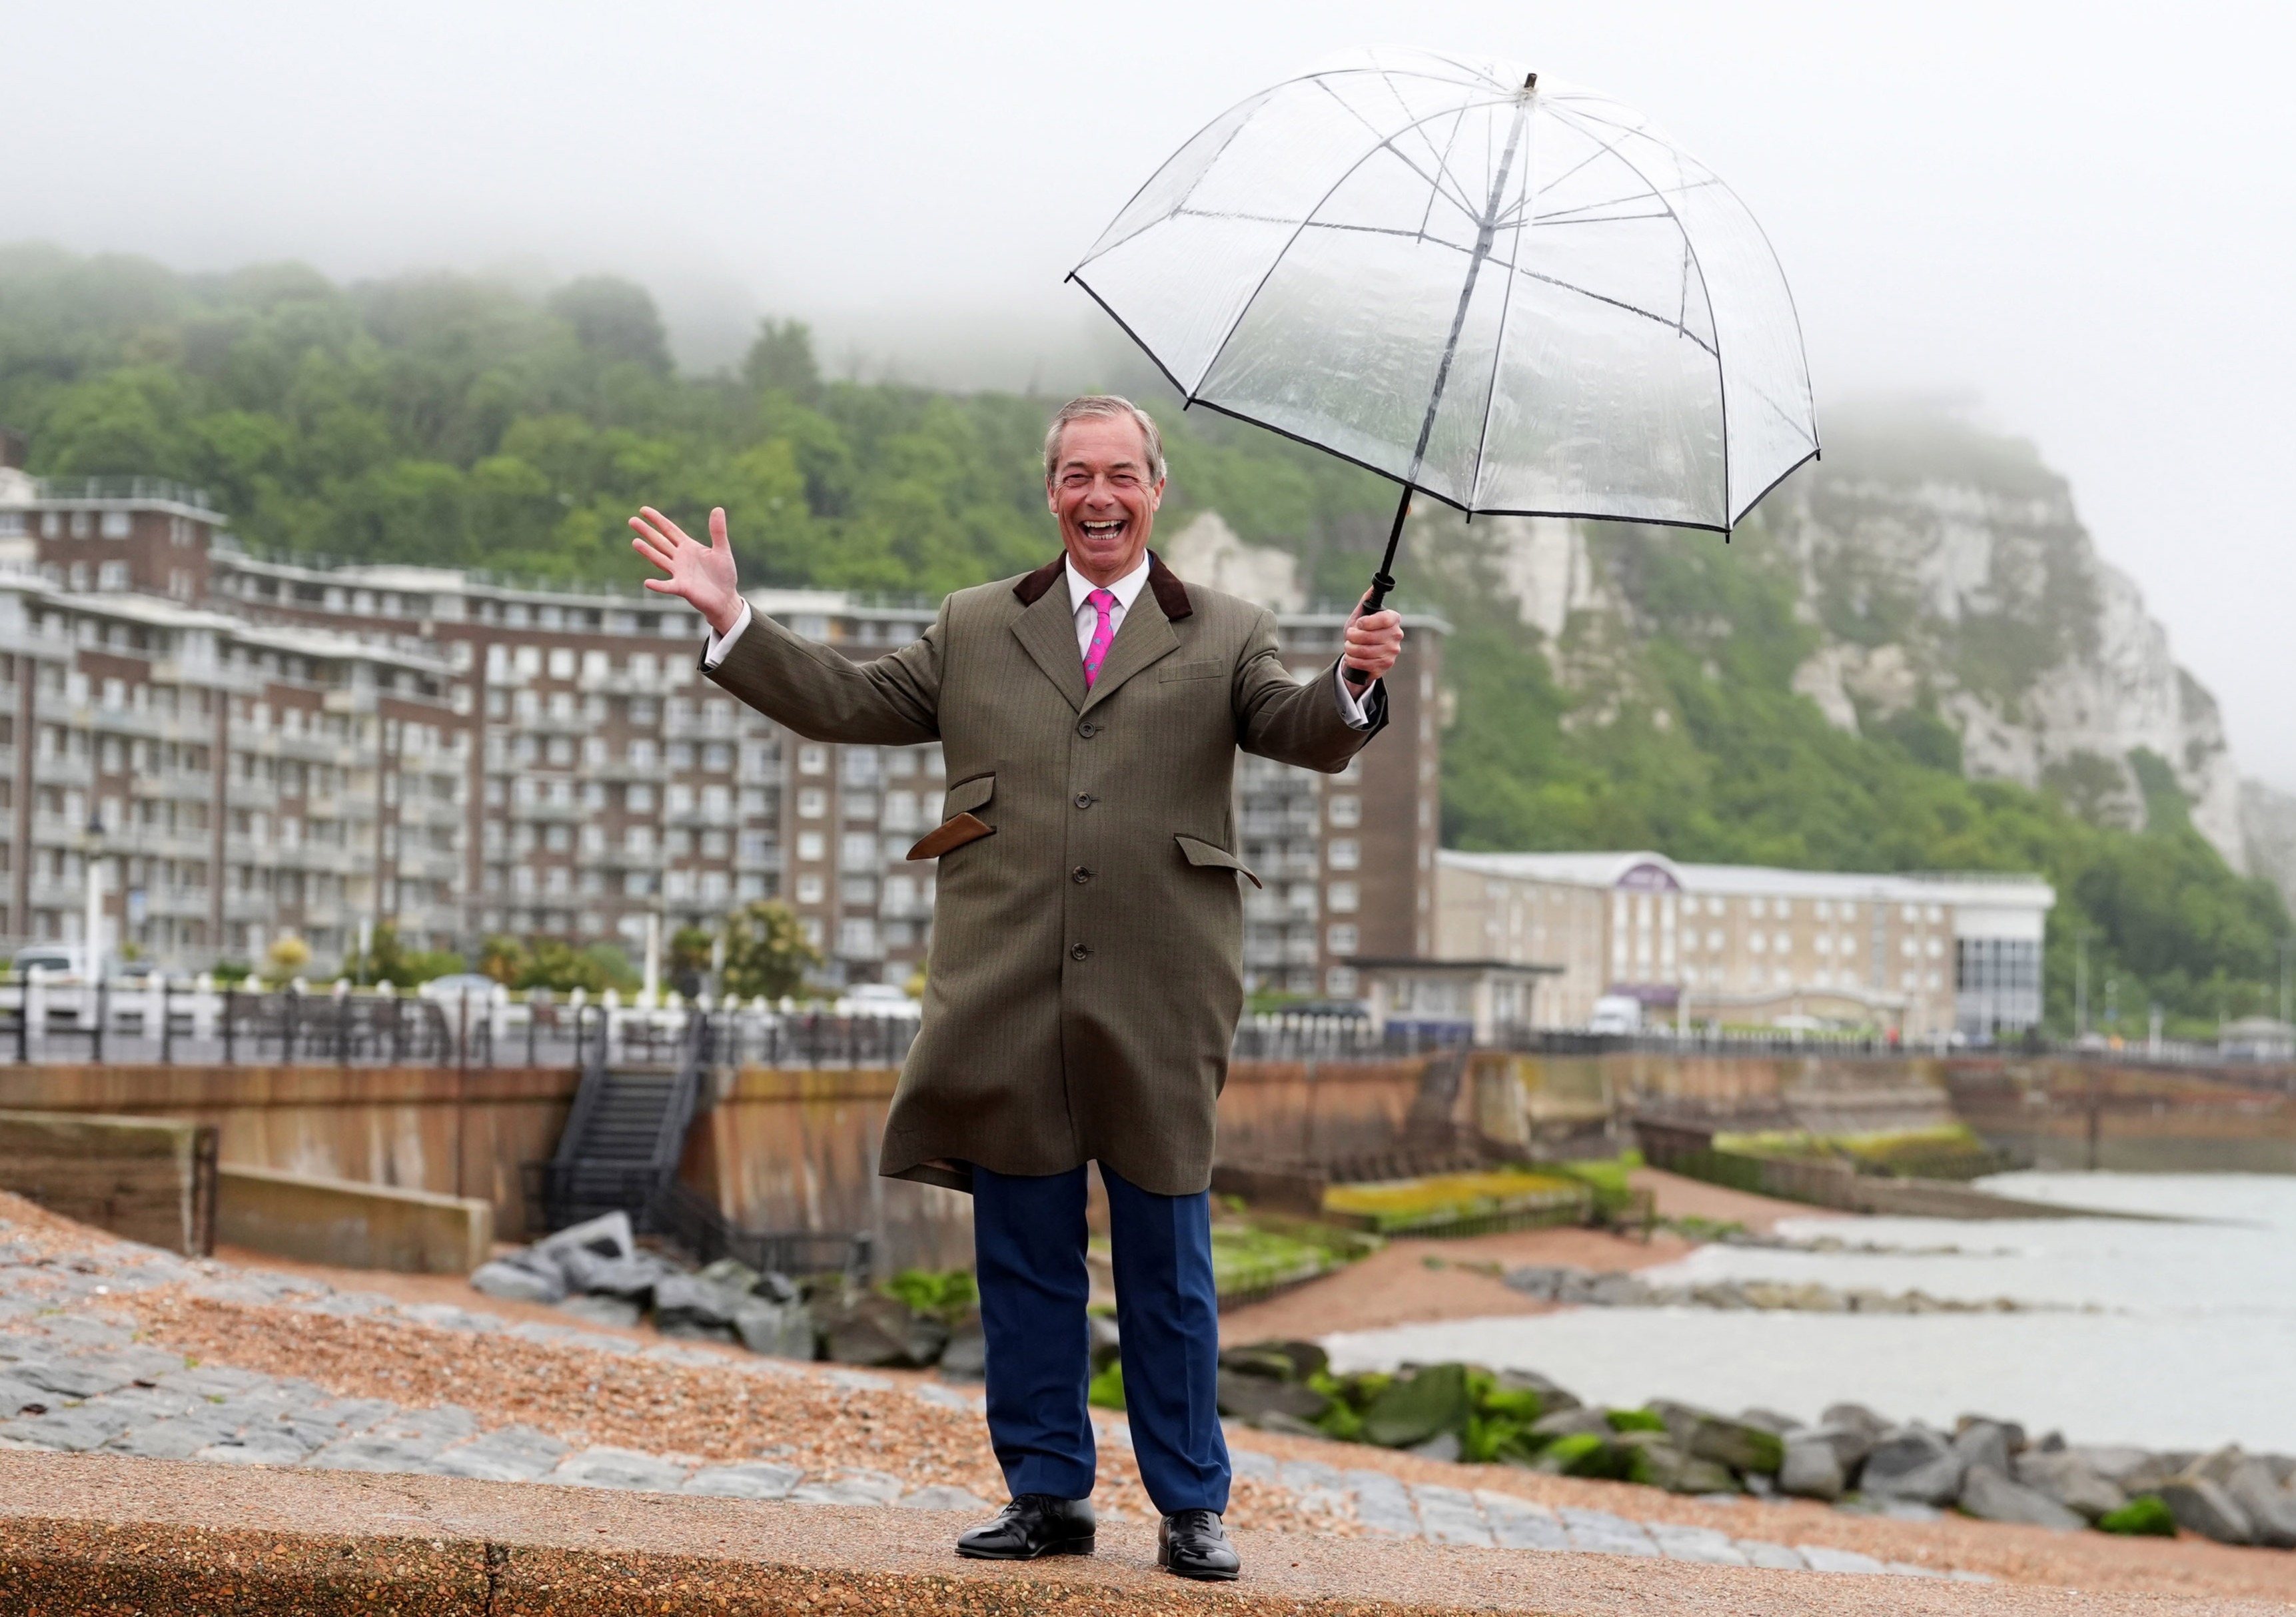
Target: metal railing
[(162, 1019)]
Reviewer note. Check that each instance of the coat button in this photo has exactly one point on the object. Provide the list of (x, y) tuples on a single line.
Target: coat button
[(1079, 875), (1079, 953), (1085, 800), (1087, 729)]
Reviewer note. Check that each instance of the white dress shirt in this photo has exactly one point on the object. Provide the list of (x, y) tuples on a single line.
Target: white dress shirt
[(1126, 589)]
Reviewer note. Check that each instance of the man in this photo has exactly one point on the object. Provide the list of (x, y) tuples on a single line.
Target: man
[(1087, 961)]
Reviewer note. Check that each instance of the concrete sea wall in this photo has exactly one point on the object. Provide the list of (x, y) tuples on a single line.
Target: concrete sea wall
[(793, 1149), (434, 1128)]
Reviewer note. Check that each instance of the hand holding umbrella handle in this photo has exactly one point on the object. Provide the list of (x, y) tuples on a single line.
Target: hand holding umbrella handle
[(1384, 581)]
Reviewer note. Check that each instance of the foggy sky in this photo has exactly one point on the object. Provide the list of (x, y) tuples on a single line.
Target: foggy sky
[(2080, 216)]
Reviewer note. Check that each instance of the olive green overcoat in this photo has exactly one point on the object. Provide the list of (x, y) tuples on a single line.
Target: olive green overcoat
[(1087, 967)]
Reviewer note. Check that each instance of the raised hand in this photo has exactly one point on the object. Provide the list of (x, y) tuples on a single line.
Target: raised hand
[(701, 575), (1374, 643)]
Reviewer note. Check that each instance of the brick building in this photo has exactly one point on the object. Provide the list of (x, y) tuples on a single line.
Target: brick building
[(272, 747)]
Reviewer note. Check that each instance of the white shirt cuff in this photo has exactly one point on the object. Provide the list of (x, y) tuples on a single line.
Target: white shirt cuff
[(714, 652), (1350, 709)]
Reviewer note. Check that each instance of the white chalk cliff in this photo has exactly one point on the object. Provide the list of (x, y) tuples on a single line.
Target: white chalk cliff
[(1947, 572)]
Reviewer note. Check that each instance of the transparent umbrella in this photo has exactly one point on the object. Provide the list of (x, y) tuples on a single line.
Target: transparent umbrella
[(1509, 293)]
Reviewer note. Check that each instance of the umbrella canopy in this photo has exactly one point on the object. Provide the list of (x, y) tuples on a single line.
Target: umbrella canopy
[(1511, 293)]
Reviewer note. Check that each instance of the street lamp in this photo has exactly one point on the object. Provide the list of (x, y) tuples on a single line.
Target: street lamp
[(2080, 981), (91, 844)]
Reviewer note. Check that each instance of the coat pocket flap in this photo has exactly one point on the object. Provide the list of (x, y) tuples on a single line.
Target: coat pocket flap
[(1189, 671), (952, 832), (1205, 856), (968, 795)]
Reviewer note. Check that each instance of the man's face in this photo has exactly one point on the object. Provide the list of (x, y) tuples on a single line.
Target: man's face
[(1101, 493)]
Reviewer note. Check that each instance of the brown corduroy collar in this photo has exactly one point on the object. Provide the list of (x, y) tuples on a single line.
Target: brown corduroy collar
[(1171, 594)]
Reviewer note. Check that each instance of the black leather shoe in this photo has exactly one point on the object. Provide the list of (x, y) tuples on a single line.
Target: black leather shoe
[(1193, 1544), (1034, 1524)]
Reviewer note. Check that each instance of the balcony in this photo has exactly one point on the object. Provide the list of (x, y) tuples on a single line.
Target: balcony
[(542, 813), (545, 724), (175, 785), (176, 903), (152, 842), (60, 769), (57, 892), (316, 857)]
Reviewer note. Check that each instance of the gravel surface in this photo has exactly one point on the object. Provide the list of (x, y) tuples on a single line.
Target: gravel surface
[(106, 1347)]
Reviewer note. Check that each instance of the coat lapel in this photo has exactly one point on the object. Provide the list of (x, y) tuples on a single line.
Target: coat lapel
[(1047, 630)]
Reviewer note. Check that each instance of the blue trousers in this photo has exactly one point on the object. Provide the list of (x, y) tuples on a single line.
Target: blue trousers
[(1029, 1246)]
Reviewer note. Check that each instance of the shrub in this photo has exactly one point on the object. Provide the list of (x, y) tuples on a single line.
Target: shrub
[(947, 1294), (1634, 1420), (2147, 1515)]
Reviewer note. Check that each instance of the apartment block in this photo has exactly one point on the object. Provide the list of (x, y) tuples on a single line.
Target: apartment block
[(313, 748), (1926, 954)]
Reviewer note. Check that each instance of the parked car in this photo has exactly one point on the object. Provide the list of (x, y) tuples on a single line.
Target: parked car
[(478, 986), (878, 999), (55, 959)]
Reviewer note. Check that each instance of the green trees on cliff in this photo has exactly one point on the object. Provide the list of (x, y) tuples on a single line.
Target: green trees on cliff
[(446, 419)]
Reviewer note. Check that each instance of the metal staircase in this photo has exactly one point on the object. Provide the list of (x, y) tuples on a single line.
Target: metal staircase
[(620, 1152), (623, 1141)]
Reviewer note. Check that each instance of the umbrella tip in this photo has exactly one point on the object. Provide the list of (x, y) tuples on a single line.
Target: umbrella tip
[(1530, 81)]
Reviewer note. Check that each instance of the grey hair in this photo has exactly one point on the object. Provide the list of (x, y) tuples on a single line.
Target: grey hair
[(1103, 407)]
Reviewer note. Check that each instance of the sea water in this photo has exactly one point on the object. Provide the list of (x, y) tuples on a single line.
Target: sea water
[(2171, 1334)]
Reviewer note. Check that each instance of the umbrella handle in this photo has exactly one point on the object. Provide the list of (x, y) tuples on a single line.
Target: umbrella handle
[(1382, 582)]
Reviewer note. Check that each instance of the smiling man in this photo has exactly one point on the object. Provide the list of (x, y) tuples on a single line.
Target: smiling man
[(1086, 969)]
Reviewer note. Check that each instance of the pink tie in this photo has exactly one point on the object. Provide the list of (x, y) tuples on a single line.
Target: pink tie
[(1101, 633)]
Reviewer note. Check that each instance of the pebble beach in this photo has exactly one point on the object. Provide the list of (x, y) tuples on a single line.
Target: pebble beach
[(110, 1347)]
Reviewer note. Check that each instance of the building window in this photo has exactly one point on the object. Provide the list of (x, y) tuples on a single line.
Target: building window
[(1340, 940), (812, 761), (1341, 897), (811, 844), (118, 524), (1346, 809), (856, 938), (1344, 853), (810, 889), (111, 575), (857, 851), (812, 803)]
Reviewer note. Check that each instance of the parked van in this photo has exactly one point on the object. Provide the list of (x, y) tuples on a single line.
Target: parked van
[(1616, 1014)]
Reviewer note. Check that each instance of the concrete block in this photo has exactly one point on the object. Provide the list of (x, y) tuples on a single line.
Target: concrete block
[(352, 1224), (137, 1177)]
